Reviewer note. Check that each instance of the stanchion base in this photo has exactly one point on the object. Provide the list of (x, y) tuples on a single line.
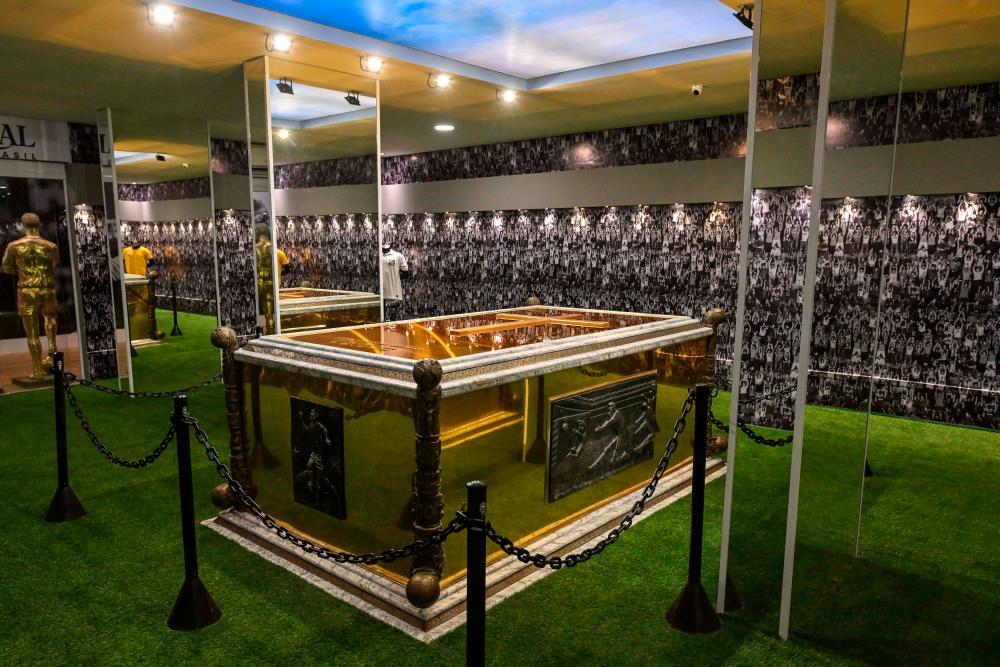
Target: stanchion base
[(132, 351), (692, 612), (176, 331), (194, 607), (733, 602), (65, 506), (868, 470)]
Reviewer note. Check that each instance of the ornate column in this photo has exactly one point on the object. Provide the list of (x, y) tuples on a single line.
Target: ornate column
[(424, 585), (226, 340)]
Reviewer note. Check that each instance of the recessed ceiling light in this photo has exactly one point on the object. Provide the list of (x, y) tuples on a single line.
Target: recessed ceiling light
[(279, 42), (444, 127), (507, 95), (185, 165), (372, 64), (160, 14), (283, 133), (438, 80)]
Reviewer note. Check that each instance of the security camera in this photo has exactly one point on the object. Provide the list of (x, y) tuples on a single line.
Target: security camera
[(696, 89)]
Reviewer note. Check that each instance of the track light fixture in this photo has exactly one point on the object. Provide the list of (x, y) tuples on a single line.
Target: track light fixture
[(353, 98), (438, 80), (279, 42), (507, 95), (285, 86), (160, 157), (372, 64), (745, 15), (160, 14)]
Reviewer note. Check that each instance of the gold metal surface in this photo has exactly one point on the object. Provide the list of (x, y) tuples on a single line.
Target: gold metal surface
[(473, 334), (33, 259)]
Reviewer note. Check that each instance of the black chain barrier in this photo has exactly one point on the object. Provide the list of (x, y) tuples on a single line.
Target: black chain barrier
[(743, 426), (387, 556), (101, 447), (141, 394), (570, 560)]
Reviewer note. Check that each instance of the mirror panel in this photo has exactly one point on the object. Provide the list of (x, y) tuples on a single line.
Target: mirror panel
[(325, 197), (167, 231)]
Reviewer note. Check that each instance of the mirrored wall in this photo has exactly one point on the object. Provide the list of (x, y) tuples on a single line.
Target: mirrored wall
[(166, 229), (316, 216)]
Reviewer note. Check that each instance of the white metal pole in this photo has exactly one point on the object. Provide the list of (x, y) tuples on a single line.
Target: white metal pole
[(805, 335)]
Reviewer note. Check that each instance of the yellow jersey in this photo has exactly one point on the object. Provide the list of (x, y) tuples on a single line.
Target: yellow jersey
[(136, 259)]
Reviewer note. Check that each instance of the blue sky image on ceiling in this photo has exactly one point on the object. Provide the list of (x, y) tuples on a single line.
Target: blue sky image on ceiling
[(526, 38)]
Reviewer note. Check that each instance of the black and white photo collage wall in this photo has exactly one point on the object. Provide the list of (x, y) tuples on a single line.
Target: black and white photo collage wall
[(182, 250), (330, 251), (960, 112), (237, 267), (698, 139), (678, 259), (939, 325), (96, 299)]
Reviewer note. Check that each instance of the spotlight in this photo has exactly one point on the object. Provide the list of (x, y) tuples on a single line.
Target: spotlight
[(285, 86), (283, 133), (438, 80), (507, 95), (697, 89), (185, 165), (160, 157), (353, 98), (372, 64), (279, 42), (444, 127), (745, 16), (158, 13)]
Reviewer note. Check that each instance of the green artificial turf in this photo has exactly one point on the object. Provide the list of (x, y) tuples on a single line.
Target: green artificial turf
[(98, 590)]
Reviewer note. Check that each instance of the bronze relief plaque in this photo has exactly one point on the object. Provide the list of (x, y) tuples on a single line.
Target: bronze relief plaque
[(598, 432), (318, 457)]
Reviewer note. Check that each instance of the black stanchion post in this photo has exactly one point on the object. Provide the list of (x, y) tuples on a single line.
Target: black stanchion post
[(194, 607), (475, 601), (65, 506), (176, 331), (692, 612)]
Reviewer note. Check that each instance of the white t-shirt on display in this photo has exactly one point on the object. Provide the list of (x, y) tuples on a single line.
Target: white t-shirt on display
[(392, 263)]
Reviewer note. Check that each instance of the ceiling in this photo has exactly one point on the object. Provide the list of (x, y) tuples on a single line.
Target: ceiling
[(527, 38), (70, 58)]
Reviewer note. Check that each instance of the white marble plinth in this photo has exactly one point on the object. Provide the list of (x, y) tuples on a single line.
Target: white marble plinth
[(385, 599)]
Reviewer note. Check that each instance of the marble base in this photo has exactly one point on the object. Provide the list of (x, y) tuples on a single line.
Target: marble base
[(32, 383), (146, 342), (385, 599)]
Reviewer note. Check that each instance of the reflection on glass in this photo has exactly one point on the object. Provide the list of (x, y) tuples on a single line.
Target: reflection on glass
[(167, 228)]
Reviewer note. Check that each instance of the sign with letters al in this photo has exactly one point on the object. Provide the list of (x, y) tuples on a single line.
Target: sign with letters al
[(34, 140)]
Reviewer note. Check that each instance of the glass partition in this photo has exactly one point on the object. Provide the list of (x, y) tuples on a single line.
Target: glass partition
[(167, 231), (778, 200), (853, 172)]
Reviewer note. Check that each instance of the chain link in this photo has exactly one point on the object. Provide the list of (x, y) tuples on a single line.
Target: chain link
[(743, 426), (571, 560), (456, 525), (103, 449), (141, 394)]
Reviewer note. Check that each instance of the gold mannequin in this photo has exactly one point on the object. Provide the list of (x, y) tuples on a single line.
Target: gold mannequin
[(34, 260), (265, 280)]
